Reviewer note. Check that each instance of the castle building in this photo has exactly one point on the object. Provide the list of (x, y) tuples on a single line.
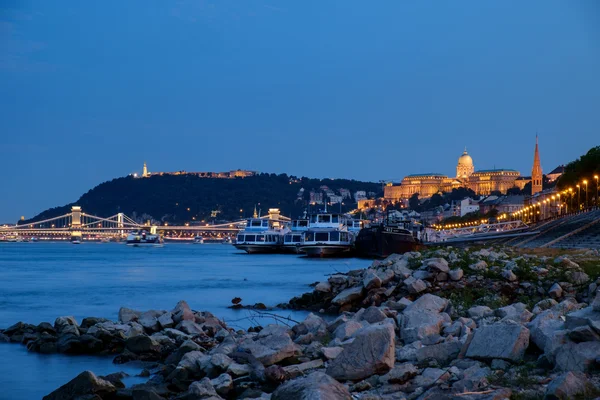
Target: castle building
[(481, 182), (536, 171)]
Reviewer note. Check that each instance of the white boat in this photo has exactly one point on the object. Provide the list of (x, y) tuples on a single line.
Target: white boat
[(294, 239), (261, 235), (227, 240), (327, 236), (198, 240), (76, 239), (143, 238)]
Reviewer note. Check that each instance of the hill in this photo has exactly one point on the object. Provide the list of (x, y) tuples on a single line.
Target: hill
[(188, 198)]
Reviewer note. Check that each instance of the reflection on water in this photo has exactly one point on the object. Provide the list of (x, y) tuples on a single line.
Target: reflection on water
[(41, 281)]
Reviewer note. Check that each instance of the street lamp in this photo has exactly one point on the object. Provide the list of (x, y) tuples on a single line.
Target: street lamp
[(586, 192), (597, 202), (578, 195), (571, 193)]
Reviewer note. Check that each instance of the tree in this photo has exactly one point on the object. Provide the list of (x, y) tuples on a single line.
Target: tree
[(413, 202), (585, 167)]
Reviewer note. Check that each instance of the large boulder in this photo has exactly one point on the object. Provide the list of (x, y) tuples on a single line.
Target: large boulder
[(66, 325), (348, 296), (272, 345), (316, 386), (371, 280), (570, 385), (418, 325), (142, 344), (577, 356), (371, 352), (505, 340), (182, 312), (127, 315), (84, 384)]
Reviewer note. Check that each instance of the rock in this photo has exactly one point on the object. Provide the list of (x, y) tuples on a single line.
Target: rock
[(371, 352), (431, 376), (324, 287), (577, 277), (386, 276), (443, 352), (436, 265), (145, 394), (543, 305), (500, 364), (337, 279), (478, 312), (479, 266), (415, 286), (4, 338), (202, 389), (166, 320), (222, 384), (371, 280), (399, 305), (189, 327), (596, 302), (311, 324), (419, 325), (127, 315), (331, 352), (237, 370), (348, 296), (372, 315), (579, 357), (584, 317), (182, 312), (570, 385), (583, 334), (86, 383), (66, 325), (271, 345), (316, 386), (401, 373), (346, 330), (149, 321), (300, 369), (473, 378), (509, 275), (428, 303), (515, 312), (221, 361), (456, 274), (555, 291), (505, 340), (142, 344)]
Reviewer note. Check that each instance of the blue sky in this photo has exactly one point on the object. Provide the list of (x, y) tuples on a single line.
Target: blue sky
[(353, 89)]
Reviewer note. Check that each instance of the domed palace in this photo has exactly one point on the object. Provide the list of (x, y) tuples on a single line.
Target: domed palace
[(481, 182)]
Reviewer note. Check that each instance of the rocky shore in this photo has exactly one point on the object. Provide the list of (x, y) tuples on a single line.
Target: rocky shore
[(479, 323)]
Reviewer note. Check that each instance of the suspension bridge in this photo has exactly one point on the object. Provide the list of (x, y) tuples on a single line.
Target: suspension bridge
[(88, 226)]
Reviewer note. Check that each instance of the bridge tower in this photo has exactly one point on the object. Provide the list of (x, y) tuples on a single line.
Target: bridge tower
[(76, 221), (120, 223), (536, 171)]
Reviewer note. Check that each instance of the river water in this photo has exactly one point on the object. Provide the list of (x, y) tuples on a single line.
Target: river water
[(41, 281)]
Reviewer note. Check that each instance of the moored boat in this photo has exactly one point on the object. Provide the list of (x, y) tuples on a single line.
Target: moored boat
[(198, 240), (293, 239), (261, 235), (141, 238), (327, 236), (394, 235)]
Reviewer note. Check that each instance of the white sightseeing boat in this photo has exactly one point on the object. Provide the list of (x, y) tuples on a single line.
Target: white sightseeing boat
[(143, 238), (294, 238), (327, 236), (198, 240), (261, 235)]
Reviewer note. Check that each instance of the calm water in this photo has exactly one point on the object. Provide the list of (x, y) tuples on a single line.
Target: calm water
[(41, 281)]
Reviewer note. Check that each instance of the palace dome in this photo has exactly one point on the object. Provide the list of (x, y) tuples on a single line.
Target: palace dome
[(465, 159)]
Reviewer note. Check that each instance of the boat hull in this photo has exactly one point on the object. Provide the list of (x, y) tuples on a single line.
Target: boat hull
[(291, 249), (257, 248), (144, 244), (381, 244), (326, 250)]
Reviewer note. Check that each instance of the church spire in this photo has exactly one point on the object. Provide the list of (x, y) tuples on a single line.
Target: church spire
[(255, 215), (145, 170), (536, 171)]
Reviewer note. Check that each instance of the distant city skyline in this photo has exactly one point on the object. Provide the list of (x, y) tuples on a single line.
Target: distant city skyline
[(339, 89)]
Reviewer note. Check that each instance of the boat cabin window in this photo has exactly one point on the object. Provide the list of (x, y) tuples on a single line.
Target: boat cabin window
[(240, 238), (297, 238), (309, 236), (300, 224), (334, 236), (260, 238), (256, 223), (321, 236), (335, 218), (250, 238), (324, 218), (343, 236)]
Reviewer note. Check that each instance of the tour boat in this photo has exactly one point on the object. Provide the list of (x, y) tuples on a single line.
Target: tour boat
[(293, 239), (261, 235), (327, 236), (76, 239), (394, 235), (198, 240), (143, 238), (227, 240)]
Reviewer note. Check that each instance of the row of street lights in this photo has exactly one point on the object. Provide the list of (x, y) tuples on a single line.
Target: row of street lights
[(538, 210)]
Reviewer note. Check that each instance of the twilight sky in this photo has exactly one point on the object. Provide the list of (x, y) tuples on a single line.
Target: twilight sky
[(355, 89)]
